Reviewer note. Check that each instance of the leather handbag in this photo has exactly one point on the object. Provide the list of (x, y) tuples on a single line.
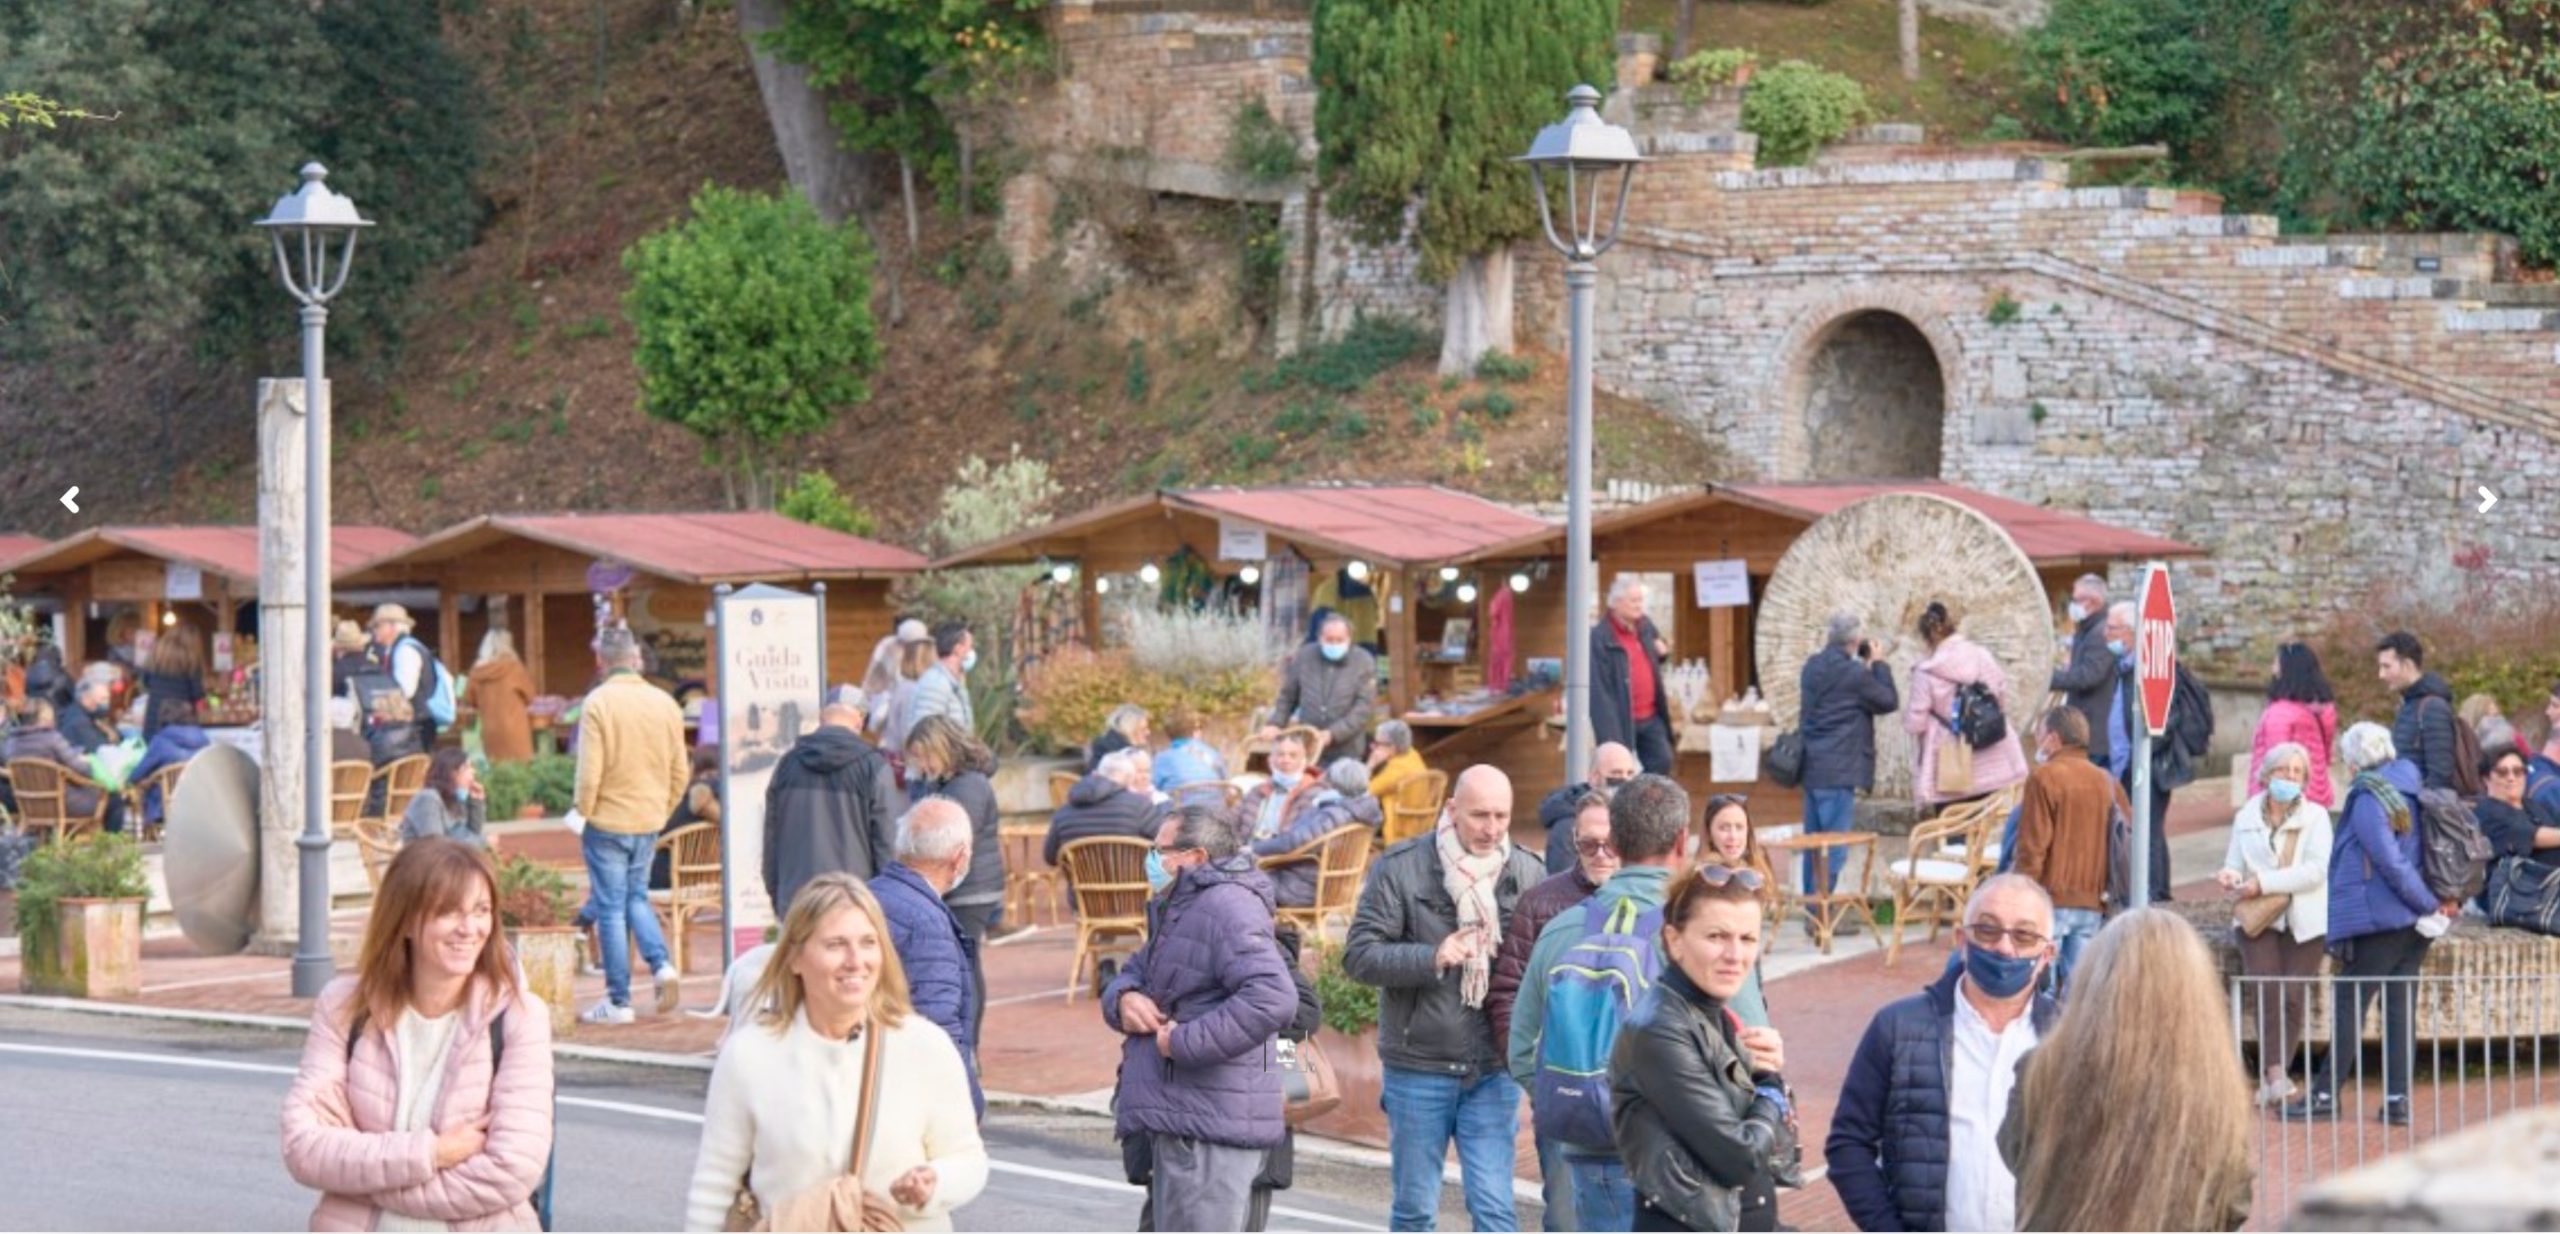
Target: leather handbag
[(1310, 1089), (841, 1210), (1954, 771), (2255, 914)]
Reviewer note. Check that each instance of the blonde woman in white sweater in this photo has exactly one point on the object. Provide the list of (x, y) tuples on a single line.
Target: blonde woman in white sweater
[(780, 1119)]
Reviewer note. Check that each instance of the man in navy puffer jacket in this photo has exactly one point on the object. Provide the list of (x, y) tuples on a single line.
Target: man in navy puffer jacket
[(932, 855), (1200, 1003)]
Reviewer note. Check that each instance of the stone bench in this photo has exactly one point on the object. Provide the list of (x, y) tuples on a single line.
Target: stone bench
[(2480, 983)]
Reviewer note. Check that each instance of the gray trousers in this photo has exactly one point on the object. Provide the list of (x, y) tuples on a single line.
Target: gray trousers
[(1202, 1186)]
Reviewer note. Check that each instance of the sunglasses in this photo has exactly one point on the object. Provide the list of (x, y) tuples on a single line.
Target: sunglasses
[(1722, 875), (1985, 934), (1592, 848)]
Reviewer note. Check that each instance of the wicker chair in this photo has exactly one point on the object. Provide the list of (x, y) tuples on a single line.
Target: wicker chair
[(44, 798), (693, 878), (1062, 783), (1943, 860), (350, 783), (1342, 864), (163, 782), (377, 842), (1030, 882), (402, 779), (1416, 809), (1108, 878)]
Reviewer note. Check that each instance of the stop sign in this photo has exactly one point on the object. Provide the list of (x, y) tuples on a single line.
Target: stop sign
[(2155, 643)]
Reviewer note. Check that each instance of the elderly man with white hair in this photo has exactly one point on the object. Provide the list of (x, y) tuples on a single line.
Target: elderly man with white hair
[(1628, 702), (1843, 688), (933, 852), (1116, 800)]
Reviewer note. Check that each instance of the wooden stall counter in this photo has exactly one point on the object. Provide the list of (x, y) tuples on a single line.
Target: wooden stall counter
[(1447, 737)]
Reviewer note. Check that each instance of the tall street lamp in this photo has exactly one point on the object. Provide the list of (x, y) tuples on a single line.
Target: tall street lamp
[(306, 225), (1588, 153)]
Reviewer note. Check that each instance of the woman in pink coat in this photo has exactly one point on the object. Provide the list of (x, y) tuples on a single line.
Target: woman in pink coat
[(2301, 709), (406, 1114), (1953, 662)]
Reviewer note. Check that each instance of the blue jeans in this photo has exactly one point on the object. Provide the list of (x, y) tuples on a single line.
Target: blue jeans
[(1827, 809), (1425, 1110), (2009, 838), (618, 873), (1604, 1198), (2072, 930), (1555, 1185)]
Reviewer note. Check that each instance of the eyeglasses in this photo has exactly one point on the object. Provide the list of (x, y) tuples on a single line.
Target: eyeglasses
[(2506, 771), (1720, 875), (1985, 934), (1170, 849), (1594, 848)]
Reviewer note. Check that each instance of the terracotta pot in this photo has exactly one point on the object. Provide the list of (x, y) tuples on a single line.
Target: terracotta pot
[(1355, 1066), (532, 811), (1742, 76), (97, 952), (549, 955)]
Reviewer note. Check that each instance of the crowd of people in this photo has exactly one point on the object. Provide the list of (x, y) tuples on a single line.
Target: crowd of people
[(1610, 986)]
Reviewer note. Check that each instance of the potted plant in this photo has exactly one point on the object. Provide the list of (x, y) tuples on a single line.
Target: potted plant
[(1350, 1041), (538, 910), (79, 917)]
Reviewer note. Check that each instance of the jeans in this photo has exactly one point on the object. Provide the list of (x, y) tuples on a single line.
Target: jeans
[(1827, 809), (2381, 966), (1425, 1110), (618, 870), (1653, 748), (1604, 1198), (2072, 930), (977, 921), (2009, 838), (1556, 1186)]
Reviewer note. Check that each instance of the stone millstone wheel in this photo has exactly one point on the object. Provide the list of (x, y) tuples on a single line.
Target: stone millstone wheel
[(1885, 558)]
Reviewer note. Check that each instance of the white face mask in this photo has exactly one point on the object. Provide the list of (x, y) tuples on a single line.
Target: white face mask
[(2078, 611)]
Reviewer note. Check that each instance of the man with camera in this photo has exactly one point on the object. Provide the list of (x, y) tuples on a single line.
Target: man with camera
[(1844, 688)]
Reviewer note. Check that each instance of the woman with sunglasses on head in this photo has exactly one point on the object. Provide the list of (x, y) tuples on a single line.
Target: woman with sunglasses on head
[(1699, 1106)]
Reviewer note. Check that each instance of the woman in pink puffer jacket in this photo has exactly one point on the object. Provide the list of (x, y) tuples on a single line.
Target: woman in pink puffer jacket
[(1955, 661), (418, 1124)]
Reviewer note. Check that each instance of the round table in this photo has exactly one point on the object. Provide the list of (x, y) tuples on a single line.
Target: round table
[(1828, 908)]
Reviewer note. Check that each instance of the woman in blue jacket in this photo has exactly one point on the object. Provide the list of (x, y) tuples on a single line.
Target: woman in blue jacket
[(2381, 919)]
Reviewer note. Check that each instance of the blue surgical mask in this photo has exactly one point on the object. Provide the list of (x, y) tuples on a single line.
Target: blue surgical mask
[(1158, 877), (969, 661), (1335, 651), (2115, 646), (1285, 779), (2078, 611), (2285, 791), (2000, 976)]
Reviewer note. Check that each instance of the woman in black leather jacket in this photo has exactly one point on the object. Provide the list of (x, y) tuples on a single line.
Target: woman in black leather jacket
[(1696, 1098)]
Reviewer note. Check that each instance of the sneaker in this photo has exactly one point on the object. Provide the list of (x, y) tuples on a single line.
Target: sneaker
[(2395, 1111), (2319, 1107), (2277, 1089), (607, 1012), (670, 988)]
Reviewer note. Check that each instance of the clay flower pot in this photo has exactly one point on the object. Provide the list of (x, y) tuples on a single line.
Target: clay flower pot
[(549, 955), (532, 811), (97, 952)]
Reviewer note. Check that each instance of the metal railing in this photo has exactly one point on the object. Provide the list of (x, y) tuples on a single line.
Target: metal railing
[(2471, 1047)]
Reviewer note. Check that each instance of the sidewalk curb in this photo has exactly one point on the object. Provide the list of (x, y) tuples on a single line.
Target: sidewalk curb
[(1090, 1105)]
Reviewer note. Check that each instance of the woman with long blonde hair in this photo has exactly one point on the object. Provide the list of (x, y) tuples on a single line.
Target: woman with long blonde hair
[(2134, 1113), (500, 689), (424, 1097), (832, 1053)]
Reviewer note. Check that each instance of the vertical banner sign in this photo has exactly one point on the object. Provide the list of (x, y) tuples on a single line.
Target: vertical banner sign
[(772, 673)]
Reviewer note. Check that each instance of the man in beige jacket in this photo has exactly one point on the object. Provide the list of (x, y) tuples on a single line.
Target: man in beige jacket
[(631, 774)]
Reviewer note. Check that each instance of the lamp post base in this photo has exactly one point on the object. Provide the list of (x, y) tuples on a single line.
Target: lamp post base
[(313, 966)]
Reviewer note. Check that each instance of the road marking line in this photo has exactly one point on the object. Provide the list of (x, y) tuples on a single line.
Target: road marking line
[(626, 1107)]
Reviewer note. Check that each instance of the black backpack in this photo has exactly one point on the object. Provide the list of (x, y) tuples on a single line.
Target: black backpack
[(497, 1055), (1978, 718), (2453, 853)]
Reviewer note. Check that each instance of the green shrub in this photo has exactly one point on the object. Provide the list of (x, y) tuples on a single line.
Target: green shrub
[(2483, 634), (1794, 107), (1065, 699), (1498, 366), (549, 780), (1347, 364), (2124, 72), (98, 866), (2003, 310), (1350, 1008), (532, 895), (1494, 405), (814, 499), (1700, 73), (1261, 150)]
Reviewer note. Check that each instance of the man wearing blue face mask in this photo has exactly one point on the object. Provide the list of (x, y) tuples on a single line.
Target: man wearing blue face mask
[(1329, 684), (1913, 1142), (2087, 678), (2064, 821)]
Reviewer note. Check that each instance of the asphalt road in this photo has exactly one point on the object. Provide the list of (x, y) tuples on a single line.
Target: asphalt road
[(109, 1123)]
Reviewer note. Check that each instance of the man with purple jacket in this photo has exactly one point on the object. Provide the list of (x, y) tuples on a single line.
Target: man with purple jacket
[(1201, 1002)]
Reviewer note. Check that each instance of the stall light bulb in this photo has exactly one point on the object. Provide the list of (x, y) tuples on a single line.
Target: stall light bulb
[(1102, 586), (1520, 582), (1358, 570), (1149, 574), (1063, 574), (169, 618), (1448, 574), (1249, 575), (1466, 593)]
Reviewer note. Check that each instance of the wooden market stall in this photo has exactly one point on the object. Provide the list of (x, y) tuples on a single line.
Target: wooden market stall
[(1729, 538), (550, 578), (1371, 551), (104, 577)]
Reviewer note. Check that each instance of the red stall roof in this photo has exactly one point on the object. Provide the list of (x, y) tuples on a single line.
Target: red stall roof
[(704, 549), (1392, 524), (13, 547), (231, 552), (2048, 537)]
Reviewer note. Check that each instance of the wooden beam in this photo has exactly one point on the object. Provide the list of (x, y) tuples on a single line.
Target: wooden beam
[(449, 626), (1405, 670), (530, 645)]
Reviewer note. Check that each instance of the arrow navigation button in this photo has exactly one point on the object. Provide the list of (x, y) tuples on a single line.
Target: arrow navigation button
[(67, 502), (2488, 498)]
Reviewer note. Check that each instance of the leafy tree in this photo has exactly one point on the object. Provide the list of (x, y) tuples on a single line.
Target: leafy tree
[(24, 109), (2126, 72), (1421, 105), (814, 499), (987, 501), (754, 325), (1794, 107)]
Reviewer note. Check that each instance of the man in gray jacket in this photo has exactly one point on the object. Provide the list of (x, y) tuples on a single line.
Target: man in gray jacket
[(1331, 684), (944, 688), (1429, 922)]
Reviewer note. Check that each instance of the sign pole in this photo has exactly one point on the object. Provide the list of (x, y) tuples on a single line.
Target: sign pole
[(2139, 860)]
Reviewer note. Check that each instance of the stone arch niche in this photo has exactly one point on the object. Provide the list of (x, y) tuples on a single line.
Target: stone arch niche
[(1865, 395)]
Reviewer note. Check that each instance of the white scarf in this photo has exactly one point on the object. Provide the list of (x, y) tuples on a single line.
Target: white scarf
[(1471, 880)]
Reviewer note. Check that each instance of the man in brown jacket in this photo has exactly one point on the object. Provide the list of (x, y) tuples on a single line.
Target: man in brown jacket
[(631, 773), (2062, 833)]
